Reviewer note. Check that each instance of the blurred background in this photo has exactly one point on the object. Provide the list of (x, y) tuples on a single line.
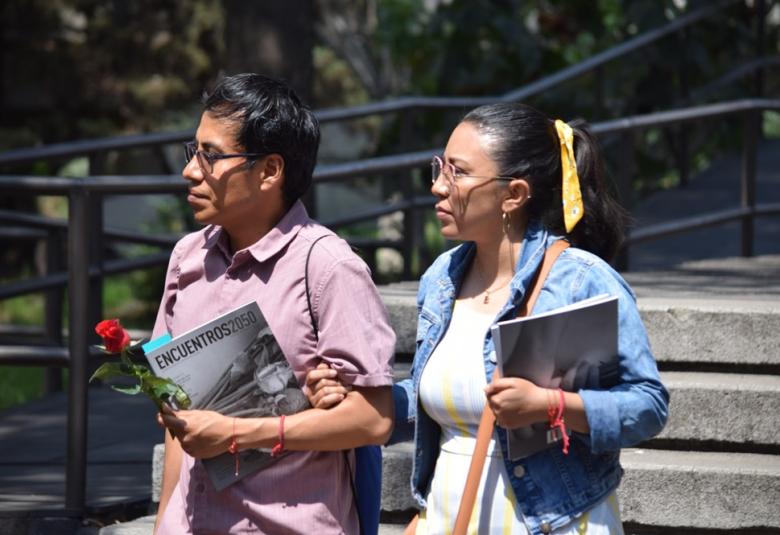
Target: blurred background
[(76, 70)]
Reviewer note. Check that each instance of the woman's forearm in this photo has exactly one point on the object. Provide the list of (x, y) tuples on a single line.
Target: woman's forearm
[(364, 417), (574, 413)]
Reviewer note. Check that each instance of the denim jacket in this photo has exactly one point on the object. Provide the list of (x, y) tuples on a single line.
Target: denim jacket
[(552, 488)]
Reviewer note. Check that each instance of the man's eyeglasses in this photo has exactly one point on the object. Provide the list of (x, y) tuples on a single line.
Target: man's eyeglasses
[(452, 175), (206, 159)]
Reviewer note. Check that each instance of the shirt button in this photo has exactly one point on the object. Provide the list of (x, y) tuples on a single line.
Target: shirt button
[(200, 487), (545, 527), (519, 471)]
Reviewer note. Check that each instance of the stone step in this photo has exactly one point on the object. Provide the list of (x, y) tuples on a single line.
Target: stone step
[(660, 488), (144, 526), (713, 331), (723, 407), (728, 408), (706, 490)]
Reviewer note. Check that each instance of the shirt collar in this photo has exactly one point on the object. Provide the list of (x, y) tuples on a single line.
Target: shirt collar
[(270, 244)]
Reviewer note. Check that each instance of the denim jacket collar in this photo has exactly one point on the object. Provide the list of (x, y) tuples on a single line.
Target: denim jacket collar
[(535, 243)]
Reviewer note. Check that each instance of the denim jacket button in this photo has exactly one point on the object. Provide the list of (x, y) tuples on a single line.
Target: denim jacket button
[(519, 471), (545, 527)]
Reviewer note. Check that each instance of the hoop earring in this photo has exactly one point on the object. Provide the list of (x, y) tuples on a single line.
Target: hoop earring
[(506, 223)]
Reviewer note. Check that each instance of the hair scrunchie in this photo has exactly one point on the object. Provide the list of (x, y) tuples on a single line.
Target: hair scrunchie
[(571, 194)]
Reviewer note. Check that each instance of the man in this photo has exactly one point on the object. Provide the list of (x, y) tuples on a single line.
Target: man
[(251, 160)]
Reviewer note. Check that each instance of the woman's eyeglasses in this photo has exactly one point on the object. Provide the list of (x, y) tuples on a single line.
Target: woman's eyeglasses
[(206, 159), (439, 167)]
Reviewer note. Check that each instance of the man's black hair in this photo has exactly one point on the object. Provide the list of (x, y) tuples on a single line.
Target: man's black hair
[(271, 119)]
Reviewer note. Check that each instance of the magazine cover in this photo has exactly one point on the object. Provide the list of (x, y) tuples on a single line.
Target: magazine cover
[(232, 365), (571, 348)]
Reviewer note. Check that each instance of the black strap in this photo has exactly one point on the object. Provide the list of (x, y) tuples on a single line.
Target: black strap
[(315, 326)]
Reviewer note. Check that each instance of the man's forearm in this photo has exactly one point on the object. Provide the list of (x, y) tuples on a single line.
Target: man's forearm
[(171, 468)]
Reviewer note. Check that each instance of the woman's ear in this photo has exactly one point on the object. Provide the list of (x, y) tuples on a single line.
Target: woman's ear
[(517, 194)]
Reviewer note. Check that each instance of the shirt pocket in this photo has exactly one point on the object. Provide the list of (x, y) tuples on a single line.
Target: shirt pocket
[(425, 322)]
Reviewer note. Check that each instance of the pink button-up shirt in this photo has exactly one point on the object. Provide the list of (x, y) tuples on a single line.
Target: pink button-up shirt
[(304, 492)]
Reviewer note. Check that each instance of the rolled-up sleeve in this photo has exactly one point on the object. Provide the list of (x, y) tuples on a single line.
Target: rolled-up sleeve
[(636, 408), (355, 336)]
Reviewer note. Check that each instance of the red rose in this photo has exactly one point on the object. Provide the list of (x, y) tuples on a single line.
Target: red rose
[(115, 338)]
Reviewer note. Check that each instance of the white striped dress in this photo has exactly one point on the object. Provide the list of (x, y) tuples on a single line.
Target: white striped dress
[(451, 392)]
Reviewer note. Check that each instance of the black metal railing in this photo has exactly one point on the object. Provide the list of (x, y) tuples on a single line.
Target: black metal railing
[(84, 233)]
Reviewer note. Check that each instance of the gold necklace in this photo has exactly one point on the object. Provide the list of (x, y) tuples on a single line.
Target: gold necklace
[(488, 291)]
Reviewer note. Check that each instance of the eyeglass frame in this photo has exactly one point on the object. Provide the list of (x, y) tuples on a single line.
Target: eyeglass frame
[(454, 174), (191, 151)]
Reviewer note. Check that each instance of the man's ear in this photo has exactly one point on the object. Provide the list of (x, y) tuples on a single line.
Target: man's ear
[(517, 194), (271, 170)]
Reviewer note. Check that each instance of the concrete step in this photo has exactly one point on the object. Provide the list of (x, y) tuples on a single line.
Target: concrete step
[(723, 407), (713, 331), (144, 526), (660, 488), (726, 491)]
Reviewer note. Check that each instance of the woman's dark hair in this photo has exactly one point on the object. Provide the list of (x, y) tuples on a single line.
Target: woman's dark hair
[(524, 143), (271, 120)]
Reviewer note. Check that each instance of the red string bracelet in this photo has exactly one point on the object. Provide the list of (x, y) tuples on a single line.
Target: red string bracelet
[(279, 448), (233, 448), (556, 420)]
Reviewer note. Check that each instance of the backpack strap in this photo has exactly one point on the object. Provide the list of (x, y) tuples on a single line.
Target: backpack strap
[(314, 324), (315, 327)]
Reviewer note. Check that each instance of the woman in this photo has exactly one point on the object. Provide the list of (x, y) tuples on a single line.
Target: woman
[(508, 186)]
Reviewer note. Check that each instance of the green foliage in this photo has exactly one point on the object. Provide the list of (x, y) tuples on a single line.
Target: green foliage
[(19, 385), (91, 68), (159, 389)]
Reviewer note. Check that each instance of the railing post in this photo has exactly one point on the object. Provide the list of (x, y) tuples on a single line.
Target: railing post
[(52, 379), (751, 125), (598, 74), (758, 78), (624, 189), (94, 237), (683, 129), (78, 301), (410, 226)]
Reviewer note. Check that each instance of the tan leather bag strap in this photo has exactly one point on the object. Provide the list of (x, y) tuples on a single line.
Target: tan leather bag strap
[(488, 419)]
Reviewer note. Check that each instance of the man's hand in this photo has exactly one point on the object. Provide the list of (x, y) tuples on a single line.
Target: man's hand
[(202, 434), (323, 387)]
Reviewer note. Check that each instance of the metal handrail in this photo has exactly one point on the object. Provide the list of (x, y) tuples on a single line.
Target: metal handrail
[(686, 224), (397, 162), (168, 184), (87, 147)]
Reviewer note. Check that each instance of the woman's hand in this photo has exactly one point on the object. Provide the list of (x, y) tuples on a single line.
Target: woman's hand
[(516, 402), (202, 434), (323, 387)]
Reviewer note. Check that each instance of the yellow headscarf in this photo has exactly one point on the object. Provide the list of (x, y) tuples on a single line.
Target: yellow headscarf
[(571, 194)]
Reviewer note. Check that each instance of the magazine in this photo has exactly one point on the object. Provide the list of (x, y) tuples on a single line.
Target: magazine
[(572, 348), (232, 365)]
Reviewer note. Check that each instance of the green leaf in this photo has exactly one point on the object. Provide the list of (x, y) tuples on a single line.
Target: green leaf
[(109, 369), (131, 390), (161, 389)]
